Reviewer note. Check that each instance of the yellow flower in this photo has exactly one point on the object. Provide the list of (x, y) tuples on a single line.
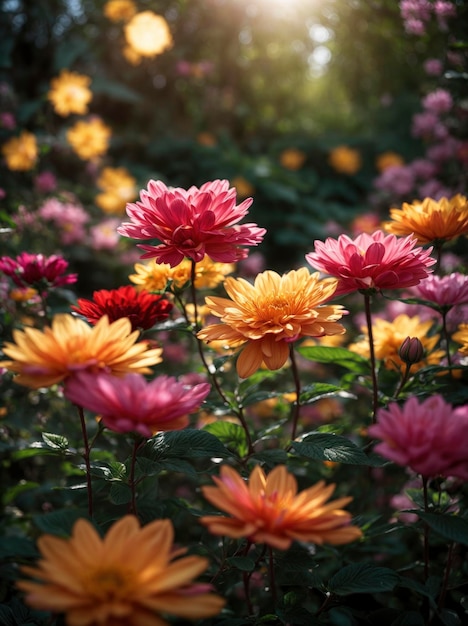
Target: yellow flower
[(461, 336), (388, 159), (44, 358), (20, 152), (430, 220), (22, 295), (130, 577), (119, 10), (148, 34), (151, 276), (89, 139), (243, 187), (119, 188), (345, 160), (70, 93), (292, 158), (266, 317), (388, 337), (269, 510)]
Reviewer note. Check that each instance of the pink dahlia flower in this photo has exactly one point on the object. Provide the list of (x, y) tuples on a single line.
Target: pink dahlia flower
[(132, 404), (372, 261), (446, 291), (37, 270), (430, 437), (191, 223)]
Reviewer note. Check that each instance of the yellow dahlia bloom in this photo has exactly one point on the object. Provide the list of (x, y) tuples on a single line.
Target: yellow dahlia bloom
[(45, 357), (119, 187), (119, 10), (151, 276), (20, 153), (461, 336), (89, 139), (130, 577), (430, 220), (345, 160), (264, 318), (388, 159), (388, 337), (70, 93), (292, 159), (269, 510), (148, 34)]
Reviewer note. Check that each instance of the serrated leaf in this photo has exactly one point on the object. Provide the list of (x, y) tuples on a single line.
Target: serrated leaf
[(450, 526), (188, 444), (58, 522), (120, 493), (230, 434), (336, 356), (362, 578), (318, 391), (328, 447), (57, 442), (38, 449), (259, 396), (243, 563)]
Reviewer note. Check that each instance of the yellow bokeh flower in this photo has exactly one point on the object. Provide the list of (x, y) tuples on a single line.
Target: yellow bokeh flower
[(430, 220), (119, 10), (21, 152), (461, 336), (69, 93), (131, 576), (243, 187), (42, 358), (206, 139), (292, 159), (119, 187), (148, 34), (265, 318), (345, 160), (388, 337), (388, 159), (89, 139), (131, 55), (269, 509)]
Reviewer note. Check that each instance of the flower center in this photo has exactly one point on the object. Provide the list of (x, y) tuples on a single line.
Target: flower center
[(109, 583)]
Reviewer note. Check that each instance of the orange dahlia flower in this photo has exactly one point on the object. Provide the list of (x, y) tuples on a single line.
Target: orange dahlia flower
[(89, 139), (148, 34), (345, 160), (129, 577), (461, 336), (430, 220), (264, 318), (69, 93), (119, 10), (269, 510), (21, 152), (44, 358)]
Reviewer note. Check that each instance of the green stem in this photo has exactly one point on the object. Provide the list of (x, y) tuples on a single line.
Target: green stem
[(375, 397), (426, 530), (271, 569), (446, 337), (297, 384), (86, 456), (246, 580), (136, 445), (403, 381)]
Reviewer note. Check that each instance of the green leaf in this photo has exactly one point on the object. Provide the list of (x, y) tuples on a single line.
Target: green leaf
[(259, 396), (36, 449), (17, 547), (362, 578), (230, 434), (188, 444), (328, 447), (410, 618), (13, 492), (57, 442), (120, 493), (244, 563), (58, 522), (336, 356), (315, 392), (449, 526)]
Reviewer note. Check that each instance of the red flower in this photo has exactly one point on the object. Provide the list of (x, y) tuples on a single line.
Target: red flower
[(191, 223), (372, 262), (430, 437), (143, 309), (132, 404), (37, 270)]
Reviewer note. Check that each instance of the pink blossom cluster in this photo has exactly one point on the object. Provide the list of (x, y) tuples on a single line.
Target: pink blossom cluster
[(69, 217), (417, 14)]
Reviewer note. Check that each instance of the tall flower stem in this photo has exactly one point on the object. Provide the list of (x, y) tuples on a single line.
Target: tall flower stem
[(426, 530), (375, 397), (246, 580), (297, 384), (212, 374), (136, 445), (86, 456), (446, 337), (271, 568)]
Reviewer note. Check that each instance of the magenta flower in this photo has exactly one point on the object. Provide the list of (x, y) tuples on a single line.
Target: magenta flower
[(132, 404), (37, 270), (446, 291), (191, 223), (430, 437), (372, 262)]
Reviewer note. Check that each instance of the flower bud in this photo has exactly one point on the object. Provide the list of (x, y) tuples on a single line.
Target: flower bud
[(411, 350)]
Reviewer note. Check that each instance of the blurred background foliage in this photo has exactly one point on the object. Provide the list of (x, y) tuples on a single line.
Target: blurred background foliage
[(244, 81)]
